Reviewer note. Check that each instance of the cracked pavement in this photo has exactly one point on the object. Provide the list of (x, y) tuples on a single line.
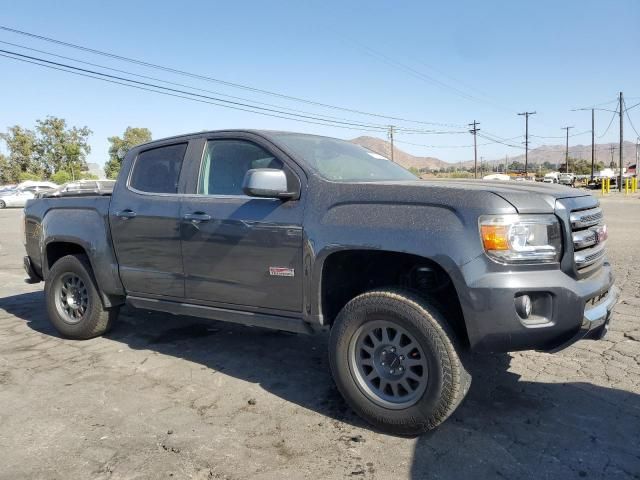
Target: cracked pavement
[(176, 397)]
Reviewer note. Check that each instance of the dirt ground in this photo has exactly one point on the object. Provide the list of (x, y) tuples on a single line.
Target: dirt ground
[(175, 397)]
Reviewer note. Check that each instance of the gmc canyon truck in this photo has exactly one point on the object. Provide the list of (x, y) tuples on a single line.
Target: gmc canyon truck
[(305, 234)]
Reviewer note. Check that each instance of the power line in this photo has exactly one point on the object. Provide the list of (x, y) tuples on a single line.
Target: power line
[(418, 74), (500, 141), (610, 122), (562, 136), (212, 79), (630, 122), (493, 142), (167, 81), (199, 100), (221, 102), (324, 116), (633, 106)]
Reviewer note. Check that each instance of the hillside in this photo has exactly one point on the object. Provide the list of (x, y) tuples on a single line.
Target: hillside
[(403, 158), (553, 154)]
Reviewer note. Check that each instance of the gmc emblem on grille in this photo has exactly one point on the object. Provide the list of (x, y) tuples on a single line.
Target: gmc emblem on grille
[(601, 233)]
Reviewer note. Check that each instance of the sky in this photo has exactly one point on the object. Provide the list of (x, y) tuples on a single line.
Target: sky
[(443, 64)]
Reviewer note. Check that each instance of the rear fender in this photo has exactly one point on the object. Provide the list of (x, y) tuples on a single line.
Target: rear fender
[(88, 229)]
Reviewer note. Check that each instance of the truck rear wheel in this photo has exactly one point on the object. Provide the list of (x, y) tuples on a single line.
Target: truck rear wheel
[(394, 360), (73, 301)]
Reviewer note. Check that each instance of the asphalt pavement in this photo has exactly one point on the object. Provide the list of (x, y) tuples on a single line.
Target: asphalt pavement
[(177, 397)]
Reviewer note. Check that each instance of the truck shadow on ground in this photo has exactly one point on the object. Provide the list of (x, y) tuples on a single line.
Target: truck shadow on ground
[(505, 428)]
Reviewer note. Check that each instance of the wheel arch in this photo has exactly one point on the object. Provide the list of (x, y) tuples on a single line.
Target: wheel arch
[(55, 249), (346, 273)]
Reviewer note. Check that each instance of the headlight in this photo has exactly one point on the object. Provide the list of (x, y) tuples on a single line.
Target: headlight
[(521, 238)]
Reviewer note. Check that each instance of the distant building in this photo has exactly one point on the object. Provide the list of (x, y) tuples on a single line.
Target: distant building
[(97, 170)]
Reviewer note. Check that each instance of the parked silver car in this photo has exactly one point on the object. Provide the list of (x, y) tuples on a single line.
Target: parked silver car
[(15, 198), (79, 188)]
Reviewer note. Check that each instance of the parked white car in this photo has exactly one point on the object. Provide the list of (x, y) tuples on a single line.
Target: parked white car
[(15, 198)]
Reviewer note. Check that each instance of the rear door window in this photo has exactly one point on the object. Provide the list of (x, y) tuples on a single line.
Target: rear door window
[(158, 170)]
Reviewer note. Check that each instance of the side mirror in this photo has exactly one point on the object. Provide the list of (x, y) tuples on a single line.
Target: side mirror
[(266, 183)]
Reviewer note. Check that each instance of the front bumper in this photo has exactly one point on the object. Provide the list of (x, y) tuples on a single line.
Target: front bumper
[(595, 322), (567, 309)]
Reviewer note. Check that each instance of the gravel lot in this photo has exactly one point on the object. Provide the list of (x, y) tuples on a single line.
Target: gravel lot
[(175, 397)]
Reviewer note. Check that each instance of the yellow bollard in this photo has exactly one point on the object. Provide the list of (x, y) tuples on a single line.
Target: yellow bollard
[(626, 186), (608, 185), (635, 184)]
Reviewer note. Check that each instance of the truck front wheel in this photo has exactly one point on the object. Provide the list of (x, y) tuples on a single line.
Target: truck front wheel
[(73, 301), (393, 358)]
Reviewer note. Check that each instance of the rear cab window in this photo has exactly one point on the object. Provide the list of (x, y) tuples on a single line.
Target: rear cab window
[(158, 170)]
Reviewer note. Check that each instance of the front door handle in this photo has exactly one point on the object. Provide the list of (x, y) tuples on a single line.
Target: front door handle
[(197, 217), (126, 214)]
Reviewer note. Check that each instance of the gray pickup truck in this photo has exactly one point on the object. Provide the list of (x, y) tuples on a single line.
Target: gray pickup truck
[(306, 233)]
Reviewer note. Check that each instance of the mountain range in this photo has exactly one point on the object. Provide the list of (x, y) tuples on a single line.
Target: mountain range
[(553, 154)]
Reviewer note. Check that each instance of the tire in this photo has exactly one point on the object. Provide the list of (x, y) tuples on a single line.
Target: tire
[(430, 365), (2, 204), (83, 315)]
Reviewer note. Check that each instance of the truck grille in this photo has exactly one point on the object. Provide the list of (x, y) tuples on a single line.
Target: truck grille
[(588, 233)]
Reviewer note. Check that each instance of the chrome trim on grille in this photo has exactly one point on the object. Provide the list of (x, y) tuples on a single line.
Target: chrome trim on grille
[(589, 256), (584, 238), (585, 218)]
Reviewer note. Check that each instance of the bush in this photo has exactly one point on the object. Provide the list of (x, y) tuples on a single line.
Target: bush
[(61, 177), (24, 176)]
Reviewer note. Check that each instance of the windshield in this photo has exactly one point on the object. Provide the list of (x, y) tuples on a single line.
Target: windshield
[(342, 161)]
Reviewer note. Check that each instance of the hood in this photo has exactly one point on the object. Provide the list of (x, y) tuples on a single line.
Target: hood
[(526, 197)]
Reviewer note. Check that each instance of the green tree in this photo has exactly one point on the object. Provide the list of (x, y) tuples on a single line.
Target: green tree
[(119, 145), (60, 148), (61, 177), (5, 170), (516, 166), (24, 176), (22, 159)]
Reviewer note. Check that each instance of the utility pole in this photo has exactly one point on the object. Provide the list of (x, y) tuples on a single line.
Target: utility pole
[(474, 131), (621, 139), (526, 139), (391, 140), (593, 141), (566, 152), (612, 148)]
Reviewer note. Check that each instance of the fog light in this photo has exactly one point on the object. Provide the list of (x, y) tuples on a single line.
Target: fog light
[(523, 306)]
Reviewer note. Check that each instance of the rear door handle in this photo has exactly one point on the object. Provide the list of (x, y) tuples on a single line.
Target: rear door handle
[(126, 214), (197, 217)]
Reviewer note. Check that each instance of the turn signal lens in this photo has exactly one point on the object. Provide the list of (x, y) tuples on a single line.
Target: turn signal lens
[(495, 237)]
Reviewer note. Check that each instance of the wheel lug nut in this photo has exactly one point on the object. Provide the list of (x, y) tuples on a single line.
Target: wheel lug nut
[(393, 349), (401, 357), (382, 363)]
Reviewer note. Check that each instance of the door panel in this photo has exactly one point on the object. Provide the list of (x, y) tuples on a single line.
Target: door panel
[(227, 259), (144, 216), (241, 250)]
